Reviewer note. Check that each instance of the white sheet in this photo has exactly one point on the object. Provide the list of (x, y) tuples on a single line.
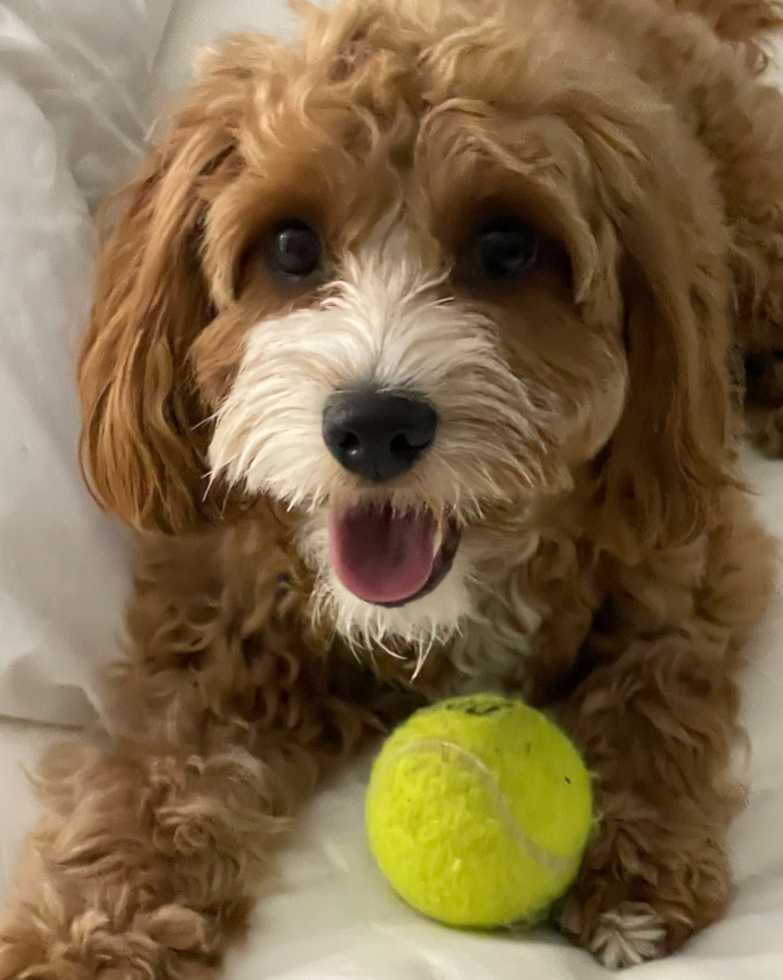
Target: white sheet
[(328, 914), (74, 107)]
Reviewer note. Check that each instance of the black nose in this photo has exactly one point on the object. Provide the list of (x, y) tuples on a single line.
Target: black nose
[(378, 436)]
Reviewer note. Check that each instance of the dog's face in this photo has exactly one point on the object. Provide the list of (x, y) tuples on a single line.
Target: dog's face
[(413, 278), (400, 352)]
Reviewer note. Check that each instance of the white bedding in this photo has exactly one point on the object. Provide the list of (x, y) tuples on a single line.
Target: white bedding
[(74, 107), (327, 915)]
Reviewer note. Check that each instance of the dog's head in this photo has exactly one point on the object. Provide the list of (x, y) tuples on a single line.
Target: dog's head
[(414, 277)]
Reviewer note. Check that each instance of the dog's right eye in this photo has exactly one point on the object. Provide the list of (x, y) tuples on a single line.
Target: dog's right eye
[(505, 249), (295, 250)]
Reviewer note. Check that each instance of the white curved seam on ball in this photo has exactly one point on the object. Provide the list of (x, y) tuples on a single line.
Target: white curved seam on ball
[(552, 863)]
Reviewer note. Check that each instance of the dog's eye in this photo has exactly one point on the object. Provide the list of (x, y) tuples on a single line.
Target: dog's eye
[(505, 248), (295, 249)]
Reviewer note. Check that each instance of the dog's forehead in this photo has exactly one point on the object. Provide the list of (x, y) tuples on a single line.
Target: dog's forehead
[(356, 157), (441, 48), (389, 63), (373, 111), (421, 100)]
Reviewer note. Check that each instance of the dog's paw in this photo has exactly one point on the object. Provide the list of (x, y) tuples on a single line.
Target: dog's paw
[(628, 935)]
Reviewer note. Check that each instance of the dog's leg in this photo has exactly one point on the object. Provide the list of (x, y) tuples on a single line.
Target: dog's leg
[(145, 862), (146, 870), (655, 728), (656, 719)]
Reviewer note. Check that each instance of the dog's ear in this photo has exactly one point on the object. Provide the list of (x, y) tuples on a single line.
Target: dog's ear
[(660, 478), (142, 445), (139, 444)]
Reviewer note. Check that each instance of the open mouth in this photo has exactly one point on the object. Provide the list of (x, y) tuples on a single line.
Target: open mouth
[(389, 558)]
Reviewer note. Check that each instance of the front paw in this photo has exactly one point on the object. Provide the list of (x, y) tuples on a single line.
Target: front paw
[(626, 935), (645, 887), (165, 943)]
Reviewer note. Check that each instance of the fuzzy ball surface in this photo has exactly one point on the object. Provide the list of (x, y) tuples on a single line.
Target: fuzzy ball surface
[(478, 811)]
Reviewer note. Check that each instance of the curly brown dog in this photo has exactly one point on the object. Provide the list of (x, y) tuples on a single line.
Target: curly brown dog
[(416, 356)]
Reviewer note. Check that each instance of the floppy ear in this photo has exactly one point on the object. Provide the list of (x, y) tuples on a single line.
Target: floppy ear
[(660, 478), (141, 446)]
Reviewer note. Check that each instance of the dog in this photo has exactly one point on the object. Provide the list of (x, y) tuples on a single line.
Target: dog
[(416, 359)]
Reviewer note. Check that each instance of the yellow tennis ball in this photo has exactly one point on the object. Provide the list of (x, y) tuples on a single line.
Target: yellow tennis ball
[(478, 811)]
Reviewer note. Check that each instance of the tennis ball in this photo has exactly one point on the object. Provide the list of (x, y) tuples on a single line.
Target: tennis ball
[(478, 812)]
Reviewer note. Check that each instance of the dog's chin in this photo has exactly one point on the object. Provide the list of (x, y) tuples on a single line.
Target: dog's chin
[(384, 575)]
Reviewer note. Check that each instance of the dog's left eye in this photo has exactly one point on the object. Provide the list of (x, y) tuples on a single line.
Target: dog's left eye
[(505, 248), (295, 249)]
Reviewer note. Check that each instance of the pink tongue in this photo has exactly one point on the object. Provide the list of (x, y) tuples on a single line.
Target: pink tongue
[(382, 557)]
